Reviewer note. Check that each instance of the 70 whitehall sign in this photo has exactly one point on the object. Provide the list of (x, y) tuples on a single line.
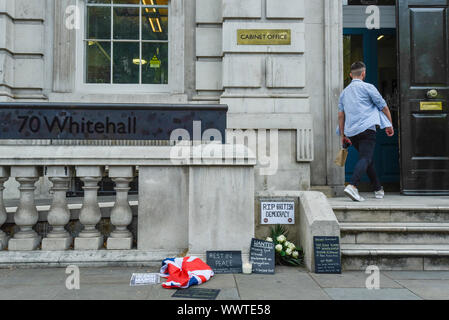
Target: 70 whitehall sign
[(107, 121)]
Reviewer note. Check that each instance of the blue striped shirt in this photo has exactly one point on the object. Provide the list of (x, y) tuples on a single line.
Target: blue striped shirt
[(361, 103)]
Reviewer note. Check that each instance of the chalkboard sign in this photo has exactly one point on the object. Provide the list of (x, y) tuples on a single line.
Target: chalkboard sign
[(261, 255), (327, 254), (225, 261)]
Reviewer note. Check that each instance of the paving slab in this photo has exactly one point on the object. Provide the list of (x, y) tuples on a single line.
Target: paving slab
[(228, 294), (351, 279), (32, 277), (417, 275), (428, 289), (157, 292), (282, 286), (220, 281), (26, 292), (366, 294), (105, 292), (111, 275)]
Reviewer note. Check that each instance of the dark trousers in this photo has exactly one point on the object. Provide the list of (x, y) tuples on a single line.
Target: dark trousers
[(365, 143)]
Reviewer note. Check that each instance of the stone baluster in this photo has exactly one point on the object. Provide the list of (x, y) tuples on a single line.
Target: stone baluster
[(26, 215), (121, 214), (89, 238), (59, 214), (4, 175)]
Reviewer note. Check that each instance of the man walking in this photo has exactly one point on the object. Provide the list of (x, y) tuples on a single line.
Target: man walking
[(359, 115)]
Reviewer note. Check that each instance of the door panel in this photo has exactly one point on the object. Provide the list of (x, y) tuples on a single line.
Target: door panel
[(428, 51), (423, 65)]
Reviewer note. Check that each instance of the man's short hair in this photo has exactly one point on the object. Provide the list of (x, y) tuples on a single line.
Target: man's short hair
[(357, 68)]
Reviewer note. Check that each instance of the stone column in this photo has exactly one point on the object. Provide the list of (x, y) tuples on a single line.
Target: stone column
[(4, 175), (333, 67), (121, 214), (26, 215), (59, 214), (90, 238)]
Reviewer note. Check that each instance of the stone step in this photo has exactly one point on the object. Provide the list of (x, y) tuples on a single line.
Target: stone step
[(400, 214), (395, 256), (394, 233)]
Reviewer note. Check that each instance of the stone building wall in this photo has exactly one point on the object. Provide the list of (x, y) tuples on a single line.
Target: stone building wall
[(22, 49), (291, 90)]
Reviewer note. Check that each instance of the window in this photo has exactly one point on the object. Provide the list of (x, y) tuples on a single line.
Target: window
[(126, 42)]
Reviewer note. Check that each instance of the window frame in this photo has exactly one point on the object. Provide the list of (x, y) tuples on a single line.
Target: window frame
[(114, 88)]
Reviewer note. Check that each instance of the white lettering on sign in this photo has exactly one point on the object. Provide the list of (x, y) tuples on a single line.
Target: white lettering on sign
[(277, 212)]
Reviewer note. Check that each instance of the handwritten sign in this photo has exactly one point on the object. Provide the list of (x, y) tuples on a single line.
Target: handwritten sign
[(276, 212), (327, 254), (225, 261), (261, 255)]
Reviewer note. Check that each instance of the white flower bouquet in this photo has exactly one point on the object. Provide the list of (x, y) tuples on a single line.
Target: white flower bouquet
[(287, 253)]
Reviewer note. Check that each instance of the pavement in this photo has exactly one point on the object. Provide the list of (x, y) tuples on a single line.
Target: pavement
[(289, 283)]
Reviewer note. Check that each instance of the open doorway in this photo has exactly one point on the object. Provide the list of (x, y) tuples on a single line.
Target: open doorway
[(378, 49)]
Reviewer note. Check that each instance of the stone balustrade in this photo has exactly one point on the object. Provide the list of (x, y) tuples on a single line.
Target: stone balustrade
[(201, 200)]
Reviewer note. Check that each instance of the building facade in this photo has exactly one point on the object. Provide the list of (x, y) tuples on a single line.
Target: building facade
[(278, 65), (283, 95)]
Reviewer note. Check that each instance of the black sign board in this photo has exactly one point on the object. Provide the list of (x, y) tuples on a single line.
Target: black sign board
[(196, 293), (261, 255), (111, 121), (327, 254), (225, 261)]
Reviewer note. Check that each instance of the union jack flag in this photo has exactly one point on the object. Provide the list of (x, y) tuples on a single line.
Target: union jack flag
[(185, 272)]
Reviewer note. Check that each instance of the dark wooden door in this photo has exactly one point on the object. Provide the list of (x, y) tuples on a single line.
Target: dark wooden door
[(423, 37)]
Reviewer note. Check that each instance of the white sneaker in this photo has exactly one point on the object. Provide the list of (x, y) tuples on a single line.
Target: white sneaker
[(353, 193), (379, 194)]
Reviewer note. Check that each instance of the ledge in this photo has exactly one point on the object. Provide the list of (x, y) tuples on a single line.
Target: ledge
[(88, 258), (208, 154)]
